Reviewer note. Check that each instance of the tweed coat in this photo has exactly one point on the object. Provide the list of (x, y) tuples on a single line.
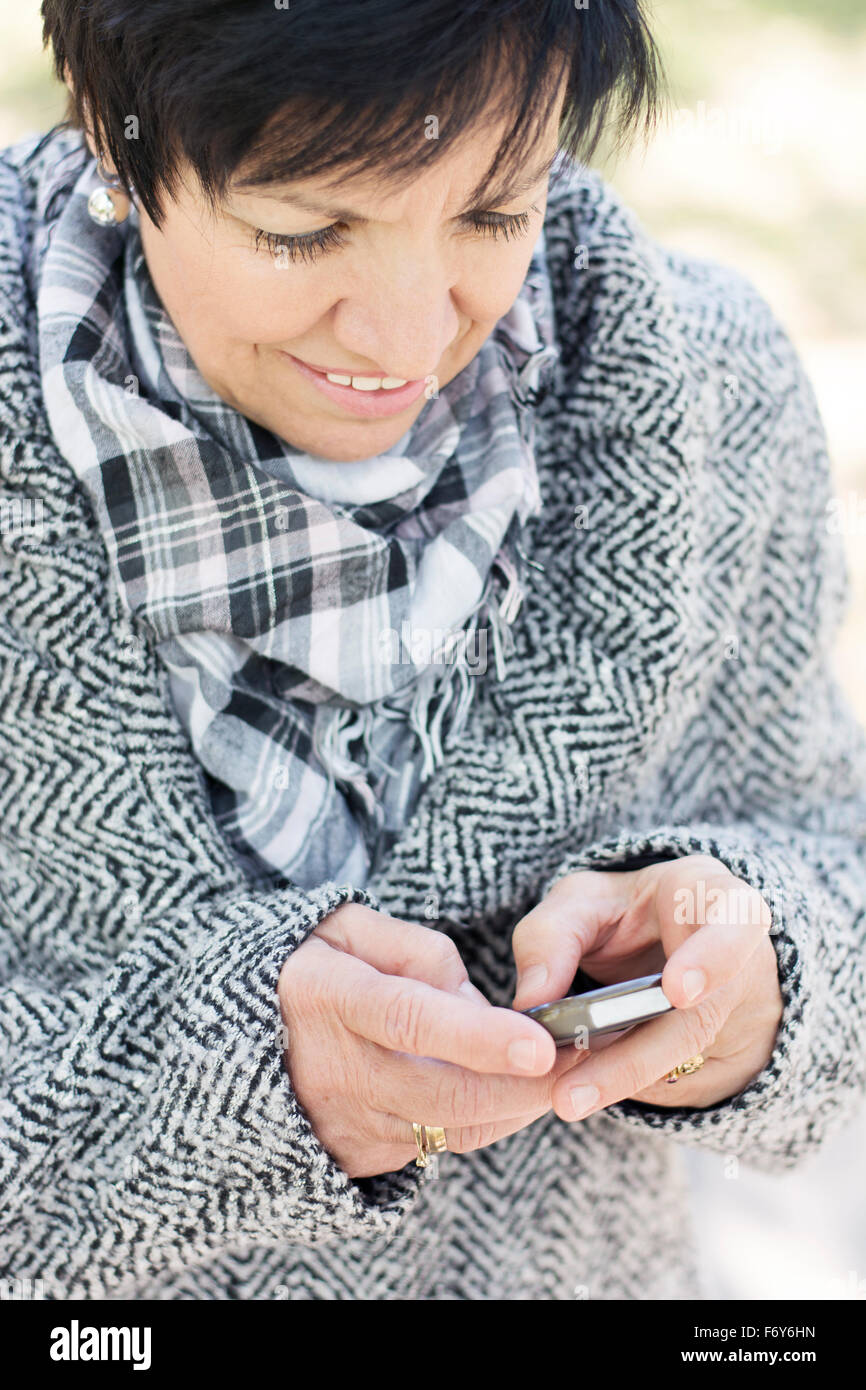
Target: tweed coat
[(669, 692)]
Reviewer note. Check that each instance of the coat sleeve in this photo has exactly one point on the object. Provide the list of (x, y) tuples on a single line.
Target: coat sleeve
[(786, 813), (146, 1113), (146, 1117)]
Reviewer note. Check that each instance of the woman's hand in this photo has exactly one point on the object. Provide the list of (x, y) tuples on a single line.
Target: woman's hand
[(383, 1028), (721, 977)]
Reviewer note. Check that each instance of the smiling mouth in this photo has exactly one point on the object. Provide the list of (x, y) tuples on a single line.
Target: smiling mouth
[(367, 397), (358, 381)]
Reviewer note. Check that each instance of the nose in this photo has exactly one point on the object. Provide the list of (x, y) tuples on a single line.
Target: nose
[(404, 318)]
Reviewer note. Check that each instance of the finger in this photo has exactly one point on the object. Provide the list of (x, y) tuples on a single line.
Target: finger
[(571, 1055), (458, 1139), (407, 1015), (711, 926), (413, 1086), (549, 941), (641, 1058), (395, 947)]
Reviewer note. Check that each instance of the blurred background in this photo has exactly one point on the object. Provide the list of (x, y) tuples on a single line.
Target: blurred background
[(762, 165)]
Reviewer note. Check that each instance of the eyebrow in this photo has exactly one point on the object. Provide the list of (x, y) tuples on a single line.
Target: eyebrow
[(506, 191)]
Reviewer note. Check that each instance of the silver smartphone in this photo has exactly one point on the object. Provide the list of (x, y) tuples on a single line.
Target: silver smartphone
[(595, 1012)]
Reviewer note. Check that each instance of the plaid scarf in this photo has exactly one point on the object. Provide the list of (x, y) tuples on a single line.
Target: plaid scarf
[(323, 624)]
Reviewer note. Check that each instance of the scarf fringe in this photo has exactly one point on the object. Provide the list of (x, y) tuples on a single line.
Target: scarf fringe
[(440, 701), (334, 729)]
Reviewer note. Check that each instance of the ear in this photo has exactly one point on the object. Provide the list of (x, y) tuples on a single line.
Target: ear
[(105, 161)]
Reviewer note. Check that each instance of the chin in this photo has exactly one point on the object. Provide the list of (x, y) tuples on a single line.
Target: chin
[(350, 443)]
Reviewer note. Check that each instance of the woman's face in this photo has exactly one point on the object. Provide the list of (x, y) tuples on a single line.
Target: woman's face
[(411, 293)]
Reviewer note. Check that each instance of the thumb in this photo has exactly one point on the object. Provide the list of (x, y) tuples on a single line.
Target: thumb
[(549, 942)]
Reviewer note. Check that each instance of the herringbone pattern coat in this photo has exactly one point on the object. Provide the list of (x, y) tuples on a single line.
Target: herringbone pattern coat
[(669, 693)]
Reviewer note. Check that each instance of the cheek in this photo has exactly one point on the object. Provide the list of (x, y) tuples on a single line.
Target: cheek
[(491, 279), (257, 302), (227, 297)]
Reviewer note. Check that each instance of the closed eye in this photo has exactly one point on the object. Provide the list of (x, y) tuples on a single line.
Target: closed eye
[(311, 245)]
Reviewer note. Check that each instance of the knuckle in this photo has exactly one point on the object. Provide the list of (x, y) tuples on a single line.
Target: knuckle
[(678, 890), (458, 1096), (632, 1077), (712, 1017), (695, 866), (707, 864), (306, 957), (701, 1025), (291, 985), (373, 1088), (344, 917), (573, 883), (312, 989), (691, 869), (471, 1137), (403, 1021)]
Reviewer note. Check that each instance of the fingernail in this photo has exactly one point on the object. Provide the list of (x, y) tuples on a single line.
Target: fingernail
[(522, 1054), (532, 979), (694, 983), (582, 1099)]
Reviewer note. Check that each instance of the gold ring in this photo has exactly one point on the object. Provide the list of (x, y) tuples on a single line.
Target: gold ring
[(685, 1068), (428, 1139), (435, 1139)]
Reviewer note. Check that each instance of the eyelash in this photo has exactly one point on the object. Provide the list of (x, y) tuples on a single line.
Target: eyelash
[(313, 244)]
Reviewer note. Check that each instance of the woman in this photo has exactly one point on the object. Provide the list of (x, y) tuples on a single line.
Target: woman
[(412, 574)]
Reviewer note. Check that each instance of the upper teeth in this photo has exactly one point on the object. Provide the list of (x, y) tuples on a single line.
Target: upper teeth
[(367, 383)]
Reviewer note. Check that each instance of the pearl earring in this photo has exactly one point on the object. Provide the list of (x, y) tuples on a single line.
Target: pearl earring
[(109, 204)]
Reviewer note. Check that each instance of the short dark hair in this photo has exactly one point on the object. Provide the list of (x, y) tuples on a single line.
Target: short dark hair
[(275, 93)]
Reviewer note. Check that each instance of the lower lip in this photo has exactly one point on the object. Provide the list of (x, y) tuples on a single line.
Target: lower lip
[(372, 405)]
